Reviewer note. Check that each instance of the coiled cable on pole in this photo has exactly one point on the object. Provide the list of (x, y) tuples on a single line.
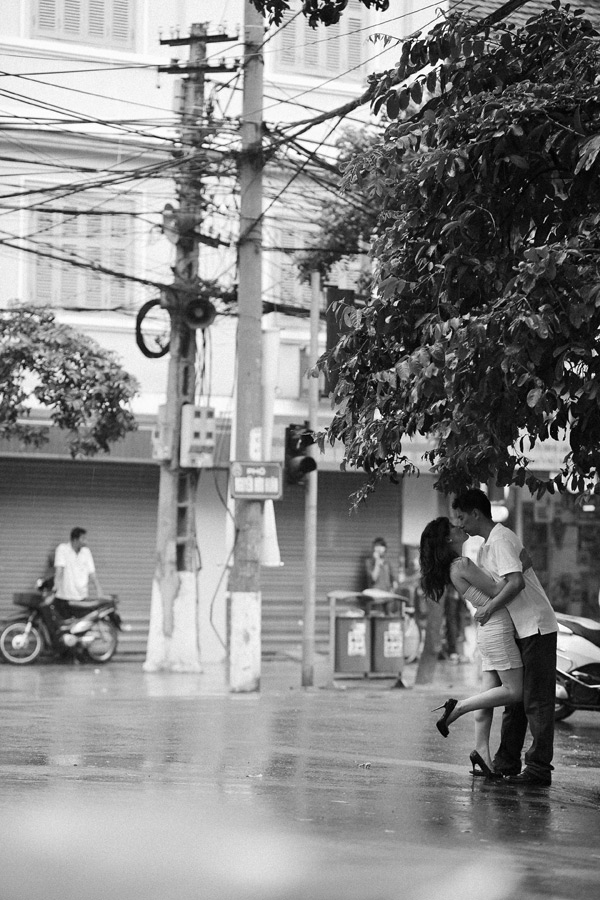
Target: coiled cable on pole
[(139, 337)]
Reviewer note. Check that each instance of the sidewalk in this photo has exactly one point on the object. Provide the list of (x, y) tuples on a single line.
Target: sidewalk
[(119, 783)]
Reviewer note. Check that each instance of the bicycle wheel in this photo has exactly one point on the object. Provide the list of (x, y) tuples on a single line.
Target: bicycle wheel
[(412, 640), (20, 645)]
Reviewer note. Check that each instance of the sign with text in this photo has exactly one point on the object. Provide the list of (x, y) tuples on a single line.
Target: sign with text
[(255, 480)]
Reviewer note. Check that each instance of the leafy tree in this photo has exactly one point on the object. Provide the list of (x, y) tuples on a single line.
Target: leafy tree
[(44, 363), (347, 221), (326, 12), (483, 330)]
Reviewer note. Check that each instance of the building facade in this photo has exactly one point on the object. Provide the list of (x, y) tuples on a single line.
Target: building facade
[(88, 163), (87, 169)]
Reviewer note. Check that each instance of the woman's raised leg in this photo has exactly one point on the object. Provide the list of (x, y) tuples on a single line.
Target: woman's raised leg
[(506, 688), (483, 720)]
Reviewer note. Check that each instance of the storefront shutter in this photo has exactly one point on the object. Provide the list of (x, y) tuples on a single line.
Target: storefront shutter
[(343, 541), (41, 500)]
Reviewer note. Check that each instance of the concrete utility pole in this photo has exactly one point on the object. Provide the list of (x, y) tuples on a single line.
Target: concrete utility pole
[(173, 638), (244, 582), (310, 501)]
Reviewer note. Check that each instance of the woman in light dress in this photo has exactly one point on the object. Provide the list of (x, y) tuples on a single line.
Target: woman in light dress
[(442, 563)]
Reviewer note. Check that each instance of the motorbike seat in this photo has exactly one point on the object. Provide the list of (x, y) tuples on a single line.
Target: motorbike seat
[(585, 628), (84, 606)]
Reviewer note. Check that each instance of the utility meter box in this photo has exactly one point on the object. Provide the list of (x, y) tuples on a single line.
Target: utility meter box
[(162, 436), (198, 435)]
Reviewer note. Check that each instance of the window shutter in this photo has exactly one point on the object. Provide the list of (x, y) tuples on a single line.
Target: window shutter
[(97, 18), (288, 40), (355, 37), (68, 277), (286, 274), (92, 226), (119, 258), (338, 49), (67, 235), (99, 22), (44, 267), (89, 238), (311, 45), (333, 48), (72, 17), (121, 21), (291, 289), (46, 15)]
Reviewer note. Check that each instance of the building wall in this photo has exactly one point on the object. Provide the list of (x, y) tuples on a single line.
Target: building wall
[(119, 109)]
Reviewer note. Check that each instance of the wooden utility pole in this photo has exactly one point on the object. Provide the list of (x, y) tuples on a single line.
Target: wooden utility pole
[(244, 582), (173, 639)]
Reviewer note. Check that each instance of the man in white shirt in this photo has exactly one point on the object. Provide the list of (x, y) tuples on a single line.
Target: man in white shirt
[(536, 629), (74, 571)]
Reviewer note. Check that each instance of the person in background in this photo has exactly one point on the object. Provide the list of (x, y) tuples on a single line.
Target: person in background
[(380, 577), (74, 571), (378, 568), (455, 611), (536, 628)]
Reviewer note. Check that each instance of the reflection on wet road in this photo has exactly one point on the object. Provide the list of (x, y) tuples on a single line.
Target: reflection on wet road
[(166, 783)]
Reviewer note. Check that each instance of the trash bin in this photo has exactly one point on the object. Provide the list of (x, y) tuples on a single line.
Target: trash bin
[(352, 646), (387, 645)]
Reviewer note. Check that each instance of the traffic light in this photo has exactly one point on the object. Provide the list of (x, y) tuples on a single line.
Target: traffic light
[(298, 438)]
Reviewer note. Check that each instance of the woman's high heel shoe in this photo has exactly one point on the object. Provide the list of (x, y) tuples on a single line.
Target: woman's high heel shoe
[(480, 767), (441, 723)]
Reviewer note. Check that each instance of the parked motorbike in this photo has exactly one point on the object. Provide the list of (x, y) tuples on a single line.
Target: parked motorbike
[(577, 665), (91, 632)]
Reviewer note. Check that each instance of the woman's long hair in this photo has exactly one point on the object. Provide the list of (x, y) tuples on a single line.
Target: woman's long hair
[(435, 558)]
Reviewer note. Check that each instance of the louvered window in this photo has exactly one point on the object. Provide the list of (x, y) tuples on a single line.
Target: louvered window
[(85, 237), (336, 50), (108, 23), (285, 285)]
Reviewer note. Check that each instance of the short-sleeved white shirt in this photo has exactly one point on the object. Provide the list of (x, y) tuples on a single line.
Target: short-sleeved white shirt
[(530, 610), (77, 570)]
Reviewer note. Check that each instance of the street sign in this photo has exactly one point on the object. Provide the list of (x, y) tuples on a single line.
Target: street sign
[(255, 480)]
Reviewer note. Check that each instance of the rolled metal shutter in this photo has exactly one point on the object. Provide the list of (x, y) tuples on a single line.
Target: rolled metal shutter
[(41, 500), (343, 541)]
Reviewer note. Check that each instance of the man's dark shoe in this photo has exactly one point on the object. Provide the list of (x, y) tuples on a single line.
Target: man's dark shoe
[(529, 779), (502, 771)]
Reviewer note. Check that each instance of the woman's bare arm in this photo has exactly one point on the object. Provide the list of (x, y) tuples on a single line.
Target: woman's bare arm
[(465, 573)]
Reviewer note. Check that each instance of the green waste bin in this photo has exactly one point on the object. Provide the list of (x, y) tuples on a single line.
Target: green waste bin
[(352, 653), (387, 645)]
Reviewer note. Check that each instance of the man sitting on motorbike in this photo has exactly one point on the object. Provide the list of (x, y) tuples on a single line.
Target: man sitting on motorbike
[(74, 571)]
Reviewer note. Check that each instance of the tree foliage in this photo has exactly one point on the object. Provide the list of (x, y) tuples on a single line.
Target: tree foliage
[(483, 330), (318, 12), (348, 220), (46, 364)]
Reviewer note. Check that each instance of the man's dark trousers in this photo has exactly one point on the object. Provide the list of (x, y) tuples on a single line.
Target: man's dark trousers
[(536, 710)]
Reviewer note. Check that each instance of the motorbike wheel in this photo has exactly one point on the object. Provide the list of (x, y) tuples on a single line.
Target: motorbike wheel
[(562, 708), (105, 642), (562, 711), (20, 655)]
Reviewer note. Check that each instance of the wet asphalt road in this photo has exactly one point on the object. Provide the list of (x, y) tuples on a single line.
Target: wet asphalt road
[(121, 784)]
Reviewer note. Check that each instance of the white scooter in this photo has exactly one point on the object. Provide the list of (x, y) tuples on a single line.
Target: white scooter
[(577, 665)]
